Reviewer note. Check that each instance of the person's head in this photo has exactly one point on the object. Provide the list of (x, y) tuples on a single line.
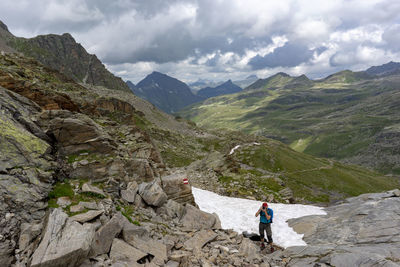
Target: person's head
[(265, 205)]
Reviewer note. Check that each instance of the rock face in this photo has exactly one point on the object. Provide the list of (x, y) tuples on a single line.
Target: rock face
[(76, 132), (26, 170), (364, 230), (65, 242), (63, 53)]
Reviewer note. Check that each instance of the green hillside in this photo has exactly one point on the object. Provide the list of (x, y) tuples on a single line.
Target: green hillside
[(347, 116)]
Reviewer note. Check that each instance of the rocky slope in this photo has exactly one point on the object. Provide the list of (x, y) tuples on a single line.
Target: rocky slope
[(63, 53), (166, 93)]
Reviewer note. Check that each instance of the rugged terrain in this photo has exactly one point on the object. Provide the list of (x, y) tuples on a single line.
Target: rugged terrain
[(347, 116), (91, 176)]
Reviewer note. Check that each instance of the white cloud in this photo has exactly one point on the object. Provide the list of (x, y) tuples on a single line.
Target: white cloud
[(218, 38)]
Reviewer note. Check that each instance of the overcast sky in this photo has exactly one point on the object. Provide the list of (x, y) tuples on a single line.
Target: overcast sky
[(219, 39)]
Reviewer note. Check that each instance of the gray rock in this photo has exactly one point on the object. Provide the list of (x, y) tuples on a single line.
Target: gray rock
[(152, 194), (76, 208), (172, 264), (172, 209), (28, 233), (130, 193), (89, 205), (175, 188), (195, 219), (63, 201), (124, 254), (249, 249), (92, 189), (138, 238), (362, 231), (87, 216), (65, 243), (200, 239), (104, 236), (139, 202)]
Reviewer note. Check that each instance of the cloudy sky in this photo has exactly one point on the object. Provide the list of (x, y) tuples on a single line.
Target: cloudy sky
[(219, 39)]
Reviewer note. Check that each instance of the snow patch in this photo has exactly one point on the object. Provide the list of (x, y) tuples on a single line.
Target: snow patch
[(238, 214), (233, 149)]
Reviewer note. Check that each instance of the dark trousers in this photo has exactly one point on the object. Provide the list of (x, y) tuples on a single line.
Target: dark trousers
[(267, 228)]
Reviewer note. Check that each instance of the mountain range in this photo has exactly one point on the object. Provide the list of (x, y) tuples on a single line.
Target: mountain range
[(348, 116)]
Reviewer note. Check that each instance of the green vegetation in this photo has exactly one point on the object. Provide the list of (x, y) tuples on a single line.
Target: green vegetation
[(62, 190), (344, 116)]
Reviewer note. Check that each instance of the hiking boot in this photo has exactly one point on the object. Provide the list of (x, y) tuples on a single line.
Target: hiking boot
[(272, 249), (262, 245)]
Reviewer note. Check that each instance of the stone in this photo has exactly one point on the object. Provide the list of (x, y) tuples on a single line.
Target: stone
[(103, 238), (172, 209), (89, 205), (76, 208), (172, 264), (130, 193), (200, 239), (249, 249), (65, 242), (87, 216), (63, 201), (176, 189), (28, 233), (180, 256), (87, 188), (195, 219), (138, 238), (152, 194), (126, 254), (139, 202)]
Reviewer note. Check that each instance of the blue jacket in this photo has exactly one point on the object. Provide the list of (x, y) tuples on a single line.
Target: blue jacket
[(263, 218)]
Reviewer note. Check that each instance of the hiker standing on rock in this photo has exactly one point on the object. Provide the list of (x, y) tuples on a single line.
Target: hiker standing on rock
[(266, 216)]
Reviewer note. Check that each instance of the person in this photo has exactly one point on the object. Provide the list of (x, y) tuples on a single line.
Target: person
[(266, 216)]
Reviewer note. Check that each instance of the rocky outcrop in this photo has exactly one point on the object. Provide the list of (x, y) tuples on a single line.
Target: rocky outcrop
[(195, 219), (364, 230), (26, 173), (76, 132)]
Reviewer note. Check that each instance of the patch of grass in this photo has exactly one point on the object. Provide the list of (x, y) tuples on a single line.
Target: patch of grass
[(92, 195), (62, 190), (52, 203)]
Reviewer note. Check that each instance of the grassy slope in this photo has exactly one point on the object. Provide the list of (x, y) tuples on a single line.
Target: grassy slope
[(338, 117)]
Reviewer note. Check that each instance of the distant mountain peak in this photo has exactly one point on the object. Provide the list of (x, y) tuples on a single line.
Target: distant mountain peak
[(227, 87), (385, 69)]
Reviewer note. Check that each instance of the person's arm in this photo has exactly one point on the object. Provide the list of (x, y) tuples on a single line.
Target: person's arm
[(268, 215), (258, 212)]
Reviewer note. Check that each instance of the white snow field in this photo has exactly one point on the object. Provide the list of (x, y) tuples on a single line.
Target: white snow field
[(238, 214)]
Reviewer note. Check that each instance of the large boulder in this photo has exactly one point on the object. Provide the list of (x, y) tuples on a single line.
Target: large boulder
[(152, 194), (195, 219), (122, 254), (200, 239), (76, 132), (65, 242), (104, 236), (177, 188), (138, 237)]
